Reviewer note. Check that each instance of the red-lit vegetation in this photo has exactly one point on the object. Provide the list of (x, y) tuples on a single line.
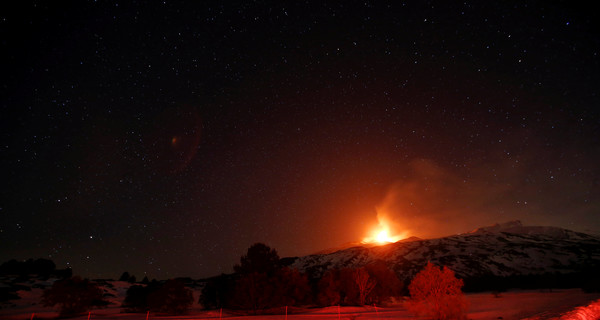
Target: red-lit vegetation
[(262, 284), (73, 295), (171, 297), (436, 292)]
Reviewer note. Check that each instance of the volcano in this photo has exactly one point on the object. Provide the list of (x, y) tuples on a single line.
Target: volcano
[(502, 250)]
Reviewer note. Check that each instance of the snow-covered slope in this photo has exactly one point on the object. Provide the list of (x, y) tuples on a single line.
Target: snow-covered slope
[(501, 250)]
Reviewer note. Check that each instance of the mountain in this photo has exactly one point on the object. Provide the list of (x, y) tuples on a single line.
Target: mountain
[(500, 250)]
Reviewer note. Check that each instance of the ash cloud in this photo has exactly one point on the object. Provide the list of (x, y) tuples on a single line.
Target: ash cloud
[(431, 201)]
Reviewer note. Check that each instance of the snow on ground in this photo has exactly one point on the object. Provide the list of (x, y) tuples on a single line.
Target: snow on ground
[(570, 304), (527, 304)]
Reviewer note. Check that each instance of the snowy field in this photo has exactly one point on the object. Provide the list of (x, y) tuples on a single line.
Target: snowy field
[(558, 304)]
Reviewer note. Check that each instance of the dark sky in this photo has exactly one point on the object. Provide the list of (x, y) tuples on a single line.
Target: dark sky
[(164, 139)]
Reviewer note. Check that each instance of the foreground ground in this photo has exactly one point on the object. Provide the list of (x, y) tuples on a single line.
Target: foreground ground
[(558, 304)]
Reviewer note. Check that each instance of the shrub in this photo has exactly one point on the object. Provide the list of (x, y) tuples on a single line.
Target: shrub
[(172, 297), (136, 299), (217, 292), (73, 295), (437, 293)]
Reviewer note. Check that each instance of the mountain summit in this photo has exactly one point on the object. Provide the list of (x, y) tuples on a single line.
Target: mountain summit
[(516, 227)]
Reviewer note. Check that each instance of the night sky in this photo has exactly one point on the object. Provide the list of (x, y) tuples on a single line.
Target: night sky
[(164, 139)]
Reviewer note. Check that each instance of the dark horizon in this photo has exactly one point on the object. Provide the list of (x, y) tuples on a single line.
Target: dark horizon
[(165, 139)]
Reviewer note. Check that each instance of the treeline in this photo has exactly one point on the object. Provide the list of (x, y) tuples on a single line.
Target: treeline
[(261, 282), (43, 268)]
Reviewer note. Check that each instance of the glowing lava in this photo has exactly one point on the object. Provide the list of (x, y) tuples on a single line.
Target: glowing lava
[(382, 235)]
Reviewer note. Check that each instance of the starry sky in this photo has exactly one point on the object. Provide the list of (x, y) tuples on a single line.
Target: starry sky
[(164, 138)]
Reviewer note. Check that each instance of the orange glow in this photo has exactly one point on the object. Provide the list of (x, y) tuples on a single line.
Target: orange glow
[(381, 234)]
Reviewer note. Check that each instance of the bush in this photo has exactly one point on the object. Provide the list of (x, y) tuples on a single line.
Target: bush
[(73, 295), (136, 299), (217, 292), (172, 298), (437, 293)]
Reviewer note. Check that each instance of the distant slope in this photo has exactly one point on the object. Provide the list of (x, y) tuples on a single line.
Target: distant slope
[(355, 244), (500, 250)]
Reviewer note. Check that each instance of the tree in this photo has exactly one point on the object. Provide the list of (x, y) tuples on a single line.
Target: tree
[(349, 294), (217, 292), (136, 299), (437, 293), (253, 291), (338, 286), (291, 288), (73, 295), (262, 283), (388, 285), (41, 267), (125, 276), (364, 283), (328, 289), (259, 258), (171, 298)]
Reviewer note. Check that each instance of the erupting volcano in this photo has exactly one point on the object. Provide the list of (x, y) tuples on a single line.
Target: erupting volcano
[(384, 233)]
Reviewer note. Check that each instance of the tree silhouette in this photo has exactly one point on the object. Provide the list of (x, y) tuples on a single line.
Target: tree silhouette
[(291, 288), (136, 299), (262, 283), (40, 267), (171, 298), (328, 293), (125, 276), (338, 286), (388, 285), (259, 258), (217, 292), (73, 295), (253, 291), (365, 284), (437, 293)]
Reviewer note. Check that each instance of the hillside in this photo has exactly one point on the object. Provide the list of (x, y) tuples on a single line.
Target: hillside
[(501, 250)]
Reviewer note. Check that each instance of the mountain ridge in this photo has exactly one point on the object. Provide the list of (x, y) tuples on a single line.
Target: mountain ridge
[(505, 249)]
